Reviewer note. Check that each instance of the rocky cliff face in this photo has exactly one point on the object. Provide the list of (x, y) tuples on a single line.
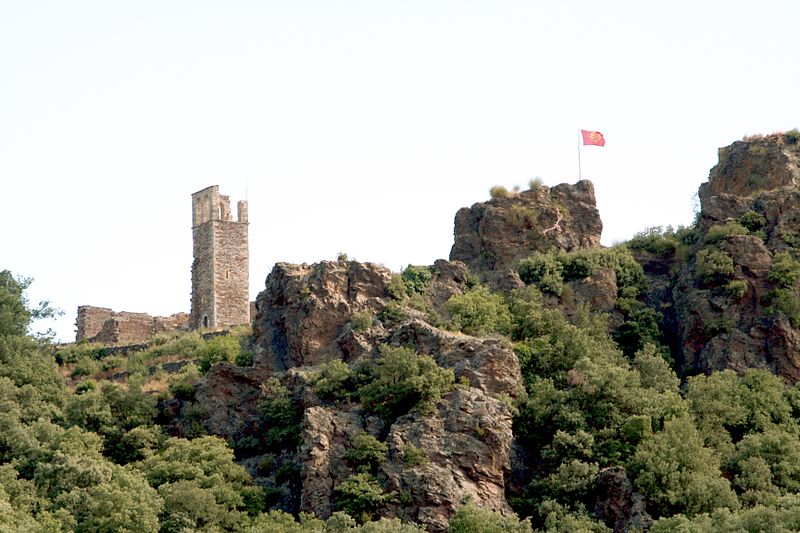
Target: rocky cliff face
[(754, 185), (491, 237), (729, 294)]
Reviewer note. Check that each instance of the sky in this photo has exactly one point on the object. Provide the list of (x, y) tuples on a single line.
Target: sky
[(354, 126)]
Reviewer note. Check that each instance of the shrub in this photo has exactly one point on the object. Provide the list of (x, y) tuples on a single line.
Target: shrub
[(244, 358), (535, 184), (472, 519), (402, 380), (280, 414), (498, 191), (334, 382), (85, 366), (785, 301), (182, 384), (360, 495), (792, 136), (416, 279), (479, 312), (366, 452), (397, 287), (391, 312), (736, 289), (655, 240), (361, 321), (544, 270), (224, 348), (720, 232), (341, 256), (713, 266), (753, 221), (413, 455), (784, 271)]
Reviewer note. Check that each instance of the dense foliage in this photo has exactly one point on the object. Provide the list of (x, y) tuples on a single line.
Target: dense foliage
[(717, 452)]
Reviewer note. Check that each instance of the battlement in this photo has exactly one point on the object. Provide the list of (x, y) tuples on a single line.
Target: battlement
[(208, 204)]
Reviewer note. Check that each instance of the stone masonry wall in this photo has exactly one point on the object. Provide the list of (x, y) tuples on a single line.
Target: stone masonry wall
[(104, 326), (220, 269)]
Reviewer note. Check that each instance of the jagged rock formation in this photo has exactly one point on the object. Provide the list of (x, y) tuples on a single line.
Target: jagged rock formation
[(304, 309), (717, 329), (491, 237)]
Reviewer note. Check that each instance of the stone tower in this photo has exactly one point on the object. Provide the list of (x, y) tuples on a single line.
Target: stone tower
[(220, 270)]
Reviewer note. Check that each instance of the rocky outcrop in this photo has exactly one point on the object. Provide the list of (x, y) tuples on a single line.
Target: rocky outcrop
[(718, 328), (229, 396), (488, 364), (305, 308), (621, 508), (461, 452), (327, 434), (491, 237)]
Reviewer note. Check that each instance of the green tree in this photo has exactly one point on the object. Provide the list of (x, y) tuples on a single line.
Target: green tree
[(15, 311), (470, 518), (400, 380), (678, 474), (360, 496), (479, 312)]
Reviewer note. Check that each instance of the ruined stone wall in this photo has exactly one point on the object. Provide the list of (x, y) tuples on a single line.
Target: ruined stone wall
[(220, 269), (104, 326)]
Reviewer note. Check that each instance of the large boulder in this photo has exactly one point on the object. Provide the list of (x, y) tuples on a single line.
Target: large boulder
[(491, 237), (488, 364), (304, 310), (461, 452)]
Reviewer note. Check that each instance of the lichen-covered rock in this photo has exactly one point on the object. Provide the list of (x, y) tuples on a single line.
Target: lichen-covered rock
[(305, 308), (228, 396), (491, 237), (461, 451), (450, 278), (618, 505), (326, 438), (489, 364), (720, 328), (751, 166)]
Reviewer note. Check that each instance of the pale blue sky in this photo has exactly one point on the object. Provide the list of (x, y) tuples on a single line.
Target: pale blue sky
[(359, 126)]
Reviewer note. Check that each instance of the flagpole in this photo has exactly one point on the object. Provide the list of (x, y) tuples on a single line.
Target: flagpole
[(579, 154)]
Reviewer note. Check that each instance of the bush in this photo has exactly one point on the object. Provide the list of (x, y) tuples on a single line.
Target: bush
[(544, 270), (753, 221), (534, 184), (655, 240), (402, 380), (182, 384), (334, 382), (713, 266), (472, 519), (416, 279), (479, 312), (366, 452), (280, 414), (391, 312), (413, 455), (224, 348), (498, 191), (736, 289), (361, 321), (792, 136), (360, 496), (784, 271), (720, 232), (85, 366)]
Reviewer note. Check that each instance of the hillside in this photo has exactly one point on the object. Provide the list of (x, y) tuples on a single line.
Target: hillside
[(533, 381)]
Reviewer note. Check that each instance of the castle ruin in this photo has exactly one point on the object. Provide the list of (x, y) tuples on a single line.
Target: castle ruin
[(220, 281), (220, 270)]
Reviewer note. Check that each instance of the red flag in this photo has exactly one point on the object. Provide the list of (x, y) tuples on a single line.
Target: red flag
[(594, 138)]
